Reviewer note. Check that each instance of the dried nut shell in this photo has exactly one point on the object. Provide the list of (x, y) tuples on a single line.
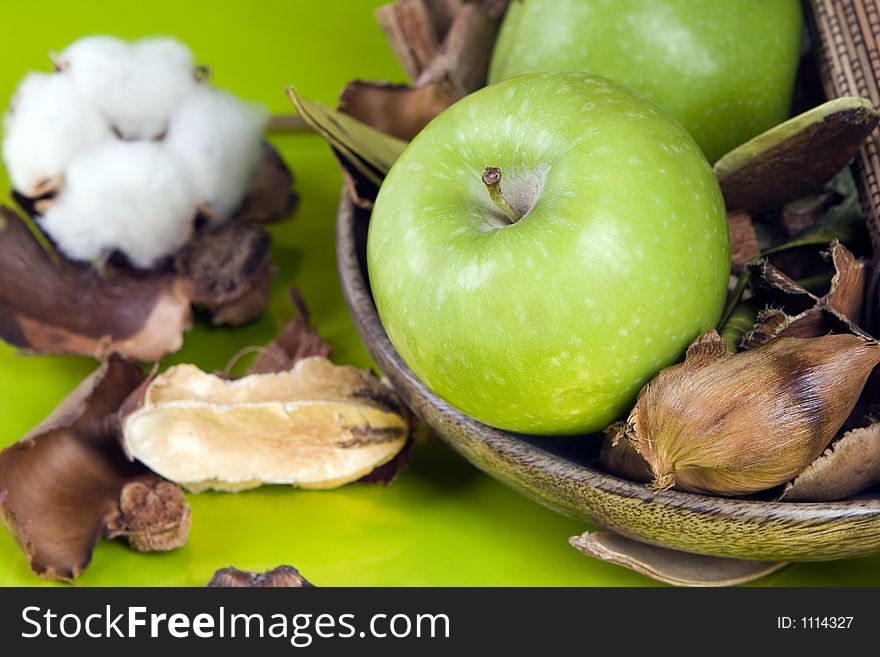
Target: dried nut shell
[(229, 271), (797, 157), (850, 465), (734, 424), (280, 577), (153, 516), (318, 425), (671, 566)]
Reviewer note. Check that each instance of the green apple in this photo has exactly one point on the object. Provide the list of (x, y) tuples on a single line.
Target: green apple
[(724, 68), (543, 301)]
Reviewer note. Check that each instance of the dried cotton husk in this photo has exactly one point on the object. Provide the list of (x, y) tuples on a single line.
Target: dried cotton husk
[(735, 424)]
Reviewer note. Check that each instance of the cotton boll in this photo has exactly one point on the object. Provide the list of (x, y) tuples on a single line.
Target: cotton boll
[(48, 124), (164, 74), (219, 136), (165, 53), (136, 197), (98, 66), (135, 86), (95, 62)]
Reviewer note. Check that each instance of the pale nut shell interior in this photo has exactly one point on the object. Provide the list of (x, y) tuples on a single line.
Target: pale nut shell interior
[(319, 425)]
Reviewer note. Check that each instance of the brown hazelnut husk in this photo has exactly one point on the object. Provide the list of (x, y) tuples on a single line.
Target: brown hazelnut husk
[(735, 424)]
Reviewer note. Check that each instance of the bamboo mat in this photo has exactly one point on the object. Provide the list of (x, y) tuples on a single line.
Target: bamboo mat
[(847, 35)]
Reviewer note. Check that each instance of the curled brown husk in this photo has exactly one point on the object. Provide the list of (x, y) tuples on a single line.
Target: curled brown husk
[(67, 483), (57, 306), (737, 424), (795, 312)]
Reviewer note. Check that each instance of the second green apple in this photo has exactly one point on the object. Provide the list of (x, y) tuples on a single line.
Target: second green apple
[(724, 68)]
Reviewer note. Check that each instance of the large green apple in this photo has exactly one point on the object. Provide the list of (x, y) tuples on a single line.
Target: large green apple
[(550, 322), (724, 68)]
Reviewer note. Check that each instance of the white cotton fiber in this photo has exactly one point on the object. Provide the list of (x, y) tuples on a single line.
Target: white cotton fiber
[(132, 196), (138, 144), (219, 136), (135, 86), (48, 123)]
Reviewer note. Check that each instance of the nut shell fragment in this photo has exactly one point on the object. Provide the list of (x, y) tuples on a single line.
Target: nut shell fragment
[(280, 577), (67, 483), (797, 157), (850, 465), (671, 566), (318, 425)]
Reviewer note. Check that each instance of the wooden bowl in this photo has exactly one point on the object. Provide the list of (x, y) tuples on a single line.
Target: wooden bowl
[(563, 474)]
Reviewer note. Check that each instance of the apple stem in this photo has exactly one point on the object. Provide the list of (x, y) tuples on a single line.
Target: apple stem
[(492, 180)]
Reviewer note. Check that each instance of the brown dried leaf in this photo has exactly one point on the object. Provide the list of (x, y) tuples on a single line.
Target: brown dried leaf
[(850, 465), (671, 566), (229, 271), (802, 314), (396, 109), (735, 424), (743, 241), (797, 157), (280, 577), (318, 425), (360, 189), (67, 483), (66, 307), (299, 340), (442, 14)]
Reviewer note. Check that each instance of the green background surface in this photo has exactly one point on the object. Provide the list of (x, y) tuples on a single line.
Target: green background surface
[(443, 522)]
